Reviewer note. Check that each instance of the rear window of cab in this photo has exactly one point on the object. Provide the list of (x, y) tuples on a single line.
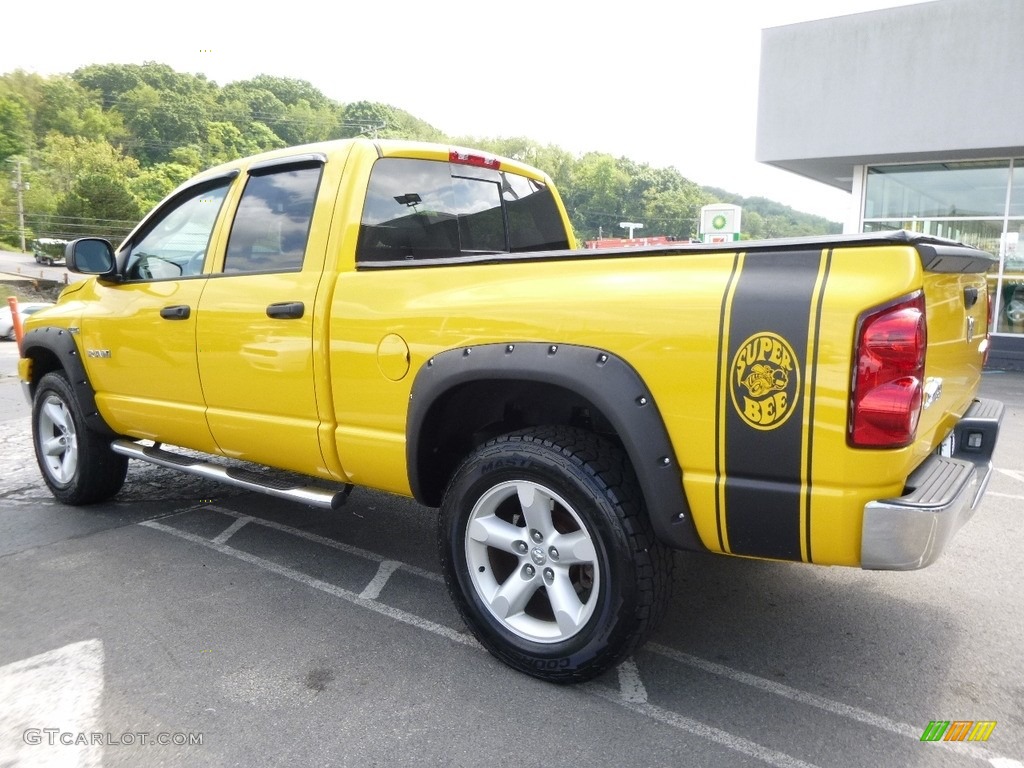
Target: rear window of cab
[(431, 211)]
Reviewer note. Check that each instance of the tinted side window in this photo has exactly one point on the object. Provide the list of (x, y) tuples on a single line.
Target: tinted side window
[(426, 210), (271, 225), (174, 244), (534, 223)]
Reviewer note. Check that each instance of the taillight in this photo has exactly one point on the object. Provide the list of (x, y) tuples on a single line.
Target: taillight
[(464, 157), (888, 376)]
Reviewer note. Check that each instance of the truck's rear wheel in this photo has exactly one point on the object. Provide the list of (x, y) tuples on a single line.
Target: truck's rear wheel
[(77, 464), (548, 553)]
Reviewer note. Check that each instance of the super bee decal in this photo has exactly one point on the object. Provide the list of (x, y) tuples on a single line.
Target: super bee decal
[(771, 315), (765, 381)]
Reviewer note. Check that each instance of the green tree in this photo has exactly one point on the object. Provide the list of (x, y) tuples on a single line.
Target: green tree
[(100, 204), (111, 81), (64, 159), (154, 183), (16, 135), (160, 120), (289, 91), (145, 128), (225, 142), (244, 104), (67, 108), (370, 118), (596, 196), (294, 110), (261, 137)]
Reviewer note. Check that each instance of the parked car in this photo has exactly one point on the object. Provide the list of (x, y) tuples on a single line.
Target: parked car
[(49, 250), (7, 322)]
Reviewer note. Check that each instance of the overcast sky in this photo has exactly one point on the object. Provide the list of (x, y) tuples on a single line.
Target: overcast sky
[(666, 83)]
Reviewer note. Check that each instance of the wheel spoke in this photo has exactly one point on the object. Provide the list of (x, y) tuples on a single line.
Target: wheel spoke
[(54, 411), (494, 532), (53, 446), (565, 603), (512, 596), (537, 507), (68, 462), (575, 548)]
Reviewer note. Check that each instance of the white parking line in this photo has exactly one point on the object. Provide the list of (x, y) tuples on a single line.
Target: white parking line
[(332, 543), (717, 735), (373, 589), (819, 702), (232, 529), (323, 586), (632, 693), (1015, 474), (640, 706), (631, 687)]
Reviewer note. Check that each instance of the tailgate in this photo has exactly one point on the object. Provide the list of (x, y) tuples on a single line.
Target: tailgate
[(956, 301)]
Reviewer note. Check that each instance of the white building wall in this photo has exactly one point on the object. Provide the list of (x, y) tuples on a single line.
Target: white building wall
[(934, 80)]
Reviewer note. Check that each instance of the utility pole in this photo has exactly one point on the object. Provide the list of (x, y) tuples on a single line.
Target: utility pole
[(20, 187)]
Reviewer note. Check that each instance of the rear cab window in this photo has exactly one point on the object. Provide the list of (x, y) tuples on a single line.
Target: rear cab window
[(431, 211)]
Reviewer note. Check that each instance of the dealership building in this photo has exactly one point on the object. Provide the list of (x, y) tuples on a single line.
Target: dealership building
[(917, 111)]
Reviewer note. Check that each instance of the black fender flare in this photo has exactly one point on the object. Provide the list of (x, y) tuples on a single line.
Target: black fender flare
[(605, 380), (60, 343)]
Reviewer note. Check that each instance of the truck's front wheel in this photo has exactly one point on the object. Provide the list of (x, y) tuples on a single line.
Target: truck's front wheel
[(548, 553), (77, 464)]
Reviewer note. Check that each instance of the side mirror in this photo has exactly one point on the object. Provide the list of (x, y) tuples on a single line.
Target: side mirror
[(91, 256)]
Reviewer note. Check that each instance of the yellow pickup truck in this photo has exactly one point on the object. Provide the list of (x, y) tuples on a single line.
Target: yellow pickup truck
[(415, 318)]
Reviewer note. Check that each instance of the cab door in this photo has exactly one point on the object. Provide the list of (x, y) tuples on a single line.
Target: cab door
[(257, 329), (139, 334)]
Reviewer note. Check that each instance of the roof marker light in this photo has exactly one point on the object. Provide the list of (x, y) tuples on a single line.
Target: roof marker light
[(465, 157)]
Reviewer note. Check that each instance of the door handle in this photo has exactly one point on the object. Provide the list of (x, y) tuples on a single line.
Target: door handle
[(286, 310), (177, 312)]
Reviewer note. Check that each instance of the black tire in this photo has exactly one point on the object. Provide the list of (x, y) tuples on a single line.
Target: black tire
[(77, 464), (506, 512)]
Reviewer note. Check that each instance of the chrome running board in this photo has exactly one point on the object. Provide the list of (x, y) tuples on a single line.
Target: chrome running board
[(318, 496)]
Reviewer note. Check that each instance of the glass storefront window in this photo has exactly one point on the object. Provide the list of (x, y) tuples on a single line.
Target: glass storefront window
[(976, 203), (1010, 311), (1017, 195), (934, 190), (980, 233)]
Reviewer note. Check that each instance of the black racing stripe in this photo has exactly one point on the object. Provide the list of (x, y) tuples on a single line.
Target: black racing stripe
[(812, 367), (721, 392), (763, 452)]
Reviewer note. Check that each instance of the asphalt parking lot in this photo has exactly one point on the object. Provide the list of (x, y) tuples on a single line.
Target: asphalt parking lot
[(185, 623)]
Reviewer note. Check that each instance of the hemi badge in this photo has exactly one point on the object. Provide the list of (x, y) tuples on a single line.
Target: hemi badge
[(970, 329), (104, 353)]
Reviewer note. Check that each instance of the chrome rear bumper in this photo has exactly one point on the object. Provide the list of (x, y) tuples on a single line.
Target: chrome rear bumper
[(911, 531)]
